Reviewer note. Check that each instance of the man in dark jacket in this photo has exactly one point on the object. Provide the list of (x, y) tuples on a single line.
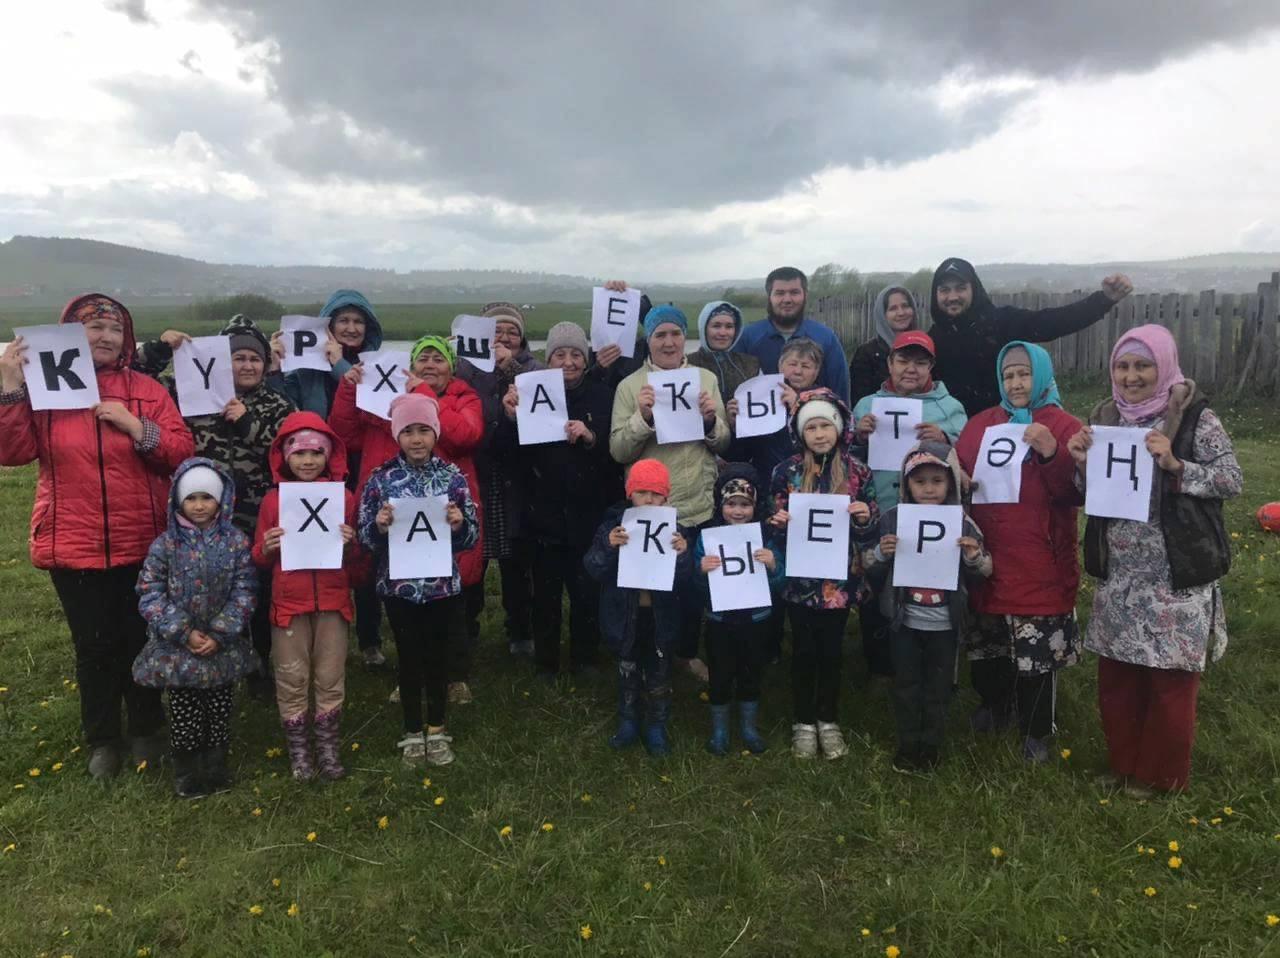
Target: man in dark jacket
[(970, 330)]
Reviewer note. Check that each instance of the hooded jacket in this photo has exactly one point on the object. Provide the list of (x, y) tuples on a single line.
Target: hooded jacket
[(314, 389), (968, 344), (303, 591), (739, 470), (894, 600), (869, 366), (939, 407), (731, 369), (1033, 542), (197, 579), (461, 433), (692, 464), (101, 499), (789, 478)]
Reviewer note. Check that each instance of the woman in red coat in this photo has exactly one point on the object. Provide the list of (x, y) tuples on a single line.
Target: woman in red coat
[(462, 430), (101, 498), (1026, 621)]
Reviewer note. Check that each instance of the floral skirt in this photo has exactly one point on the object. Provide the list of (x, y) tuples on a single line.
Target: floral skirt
[(1037, 643)]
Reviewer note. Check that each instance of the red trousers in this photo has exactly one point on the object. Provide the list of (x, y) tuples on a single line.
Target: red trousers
[(1149, 719)]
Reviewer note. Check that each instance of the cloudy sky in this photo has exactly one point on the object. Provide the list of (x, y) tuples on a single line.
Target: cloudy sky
[(669, 140)]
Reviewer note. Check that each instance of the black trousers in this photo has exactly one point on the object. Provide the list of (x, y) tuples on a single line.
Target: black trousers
[(877, 645), (735, 657), (368, 616), (558, 569), (200, 718), (1008, 693), (924, 666), (517, 593), (691, 600), (260, 623), (107, 631), (817, 660), (646, 675), (422, 633)]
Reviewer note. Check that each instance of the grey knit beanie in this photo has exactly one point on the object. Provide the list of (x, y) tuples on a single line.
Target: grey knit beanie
[(569, 335)]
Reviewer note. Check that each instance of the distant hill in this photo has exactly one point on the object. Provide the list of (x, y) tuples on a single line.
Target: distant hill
[(42, 270)]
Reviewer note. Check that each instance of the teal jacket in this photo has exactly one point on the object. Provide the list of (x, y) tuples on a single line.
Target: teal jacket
[(940, 407), (313, 389)]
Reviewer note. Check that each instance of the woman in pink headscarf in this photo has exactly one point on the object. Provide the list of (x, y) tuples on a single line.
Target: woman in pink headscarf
[(1157, 612)]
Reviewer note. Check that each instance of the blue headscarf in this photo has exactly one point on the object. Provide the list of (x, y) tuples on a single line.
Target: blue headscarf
[(1044, 389), (665, 314)]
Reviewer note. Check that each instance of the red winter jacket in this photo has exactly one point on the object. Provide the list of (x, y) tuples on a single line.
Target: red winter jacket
[(1033, 543), (99, 501), (461, 432), (304, 591)]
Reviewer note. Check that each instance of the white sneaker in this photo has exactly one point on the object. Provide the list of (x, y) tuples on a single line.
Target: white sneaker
[(373, 658), (394, 697), (804, 740), (438, 750), (412, 748), (831, 740), (459, 693)]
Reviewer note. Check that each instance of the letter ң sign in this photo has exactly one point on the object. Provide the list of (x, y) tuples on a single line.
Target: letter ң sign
[(741, 582), (311, 515), (997, 474), (202, 373), (1118, 474), (928, 554), (614, 318), (818, 536), (59, 370), (648, 561)]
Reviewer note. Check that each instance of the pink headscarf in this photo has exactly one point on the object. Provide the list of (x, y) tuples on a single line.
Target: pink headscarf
[(1157, 343)]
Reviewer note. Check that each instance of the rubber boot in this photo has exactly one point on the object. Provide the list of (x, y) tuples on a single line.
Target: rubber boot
[(327, 743), (628, 732), (295, 736), (718, 743), (751, 737), (657, 711), (217, 777), (187, 781)]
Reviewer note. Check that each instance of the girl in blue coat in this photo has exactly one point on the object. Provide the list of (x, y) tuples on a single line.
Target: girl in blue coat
[(197, 591)]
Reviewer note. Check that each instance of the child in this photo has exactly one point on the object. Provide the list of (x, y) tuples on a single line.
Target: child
[(819, 608), (1026, 621), (736, 639), (196, 592), (1157, 612), (924, 624), (420, 610), (640, 626), (311, 610)]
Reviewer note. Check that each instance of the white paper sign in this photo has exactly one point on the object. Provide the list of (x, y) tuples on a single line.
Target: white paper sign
[(928, 554), (304, 339), (1118, 474), (543, 410), (473, 340), (818, 536), (741, 582), (59, 369), (384, 380), (311, 515), (675, 406), (614, 318), (997, 475), (760, 408), (648, 561), (419, 542), (202, 373), (896, 421)]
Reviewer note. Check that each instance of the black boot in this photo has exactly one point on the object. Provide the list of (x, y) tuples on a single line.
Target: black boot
[(217, 777), (188, 782)]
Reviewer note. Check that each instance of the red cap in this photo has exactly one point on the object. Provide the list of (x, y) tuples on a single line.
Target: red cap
[(649, 475), (915, 337)]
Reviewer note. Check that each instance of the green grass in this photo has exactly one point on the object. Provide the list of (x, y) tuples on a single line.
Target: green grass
[(689, 856)]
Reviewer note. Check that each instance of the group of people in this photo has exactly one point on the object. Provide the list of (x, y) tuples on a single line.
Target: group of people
[(163, 535)]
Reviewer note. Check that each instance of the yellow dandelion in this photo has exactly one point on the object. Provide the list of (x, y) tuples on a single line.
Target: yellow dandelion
[(255, 910), (355, 746), (1142, 850), (4, 689), (647, 886), (99, 909), (256, 813), (181, 863), (9, 848), (893, 951), (1193, 820), (275, 883), (384, 822), (548, 827), (997, 851), (1173, 846), (439, 800), (1192, 906), (144, 952), (704, 697), (505, 831), (1065, 753), (312, 836), (1062, 939), (293, 910), (866, 933), (662, 861), (1215, 821), (1273, 920), (33, 772), (1149, 891), (1228, 810), (20, 786), (586, 797), (1175, 861), (426, 783), (1104, 801), (346, 808), (1151, 851), (585, 932), (142, 767), (56, 767)]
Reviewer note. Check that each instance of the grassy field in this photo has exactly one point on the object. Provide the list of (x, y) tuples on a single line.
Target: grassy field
[(539, 840), (399, 321)]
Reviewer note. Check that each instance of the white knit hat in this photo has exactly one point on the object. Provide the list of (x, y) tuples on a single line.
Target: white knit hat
[(819, 409), (199, 479)]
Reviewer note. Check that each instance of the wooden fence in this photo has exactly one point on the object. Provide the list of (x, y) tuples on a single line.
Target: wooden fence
[(1226, 341)]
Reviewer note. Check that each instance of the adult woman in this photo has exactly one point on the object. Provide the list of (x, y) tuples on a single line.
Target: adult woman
[(1157, 612), (719, 328), (101, 498), (892, 313)]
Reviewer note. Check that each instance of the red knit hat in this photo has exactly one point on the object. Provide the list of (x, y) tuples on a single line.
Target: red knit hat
[(649, 475)]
